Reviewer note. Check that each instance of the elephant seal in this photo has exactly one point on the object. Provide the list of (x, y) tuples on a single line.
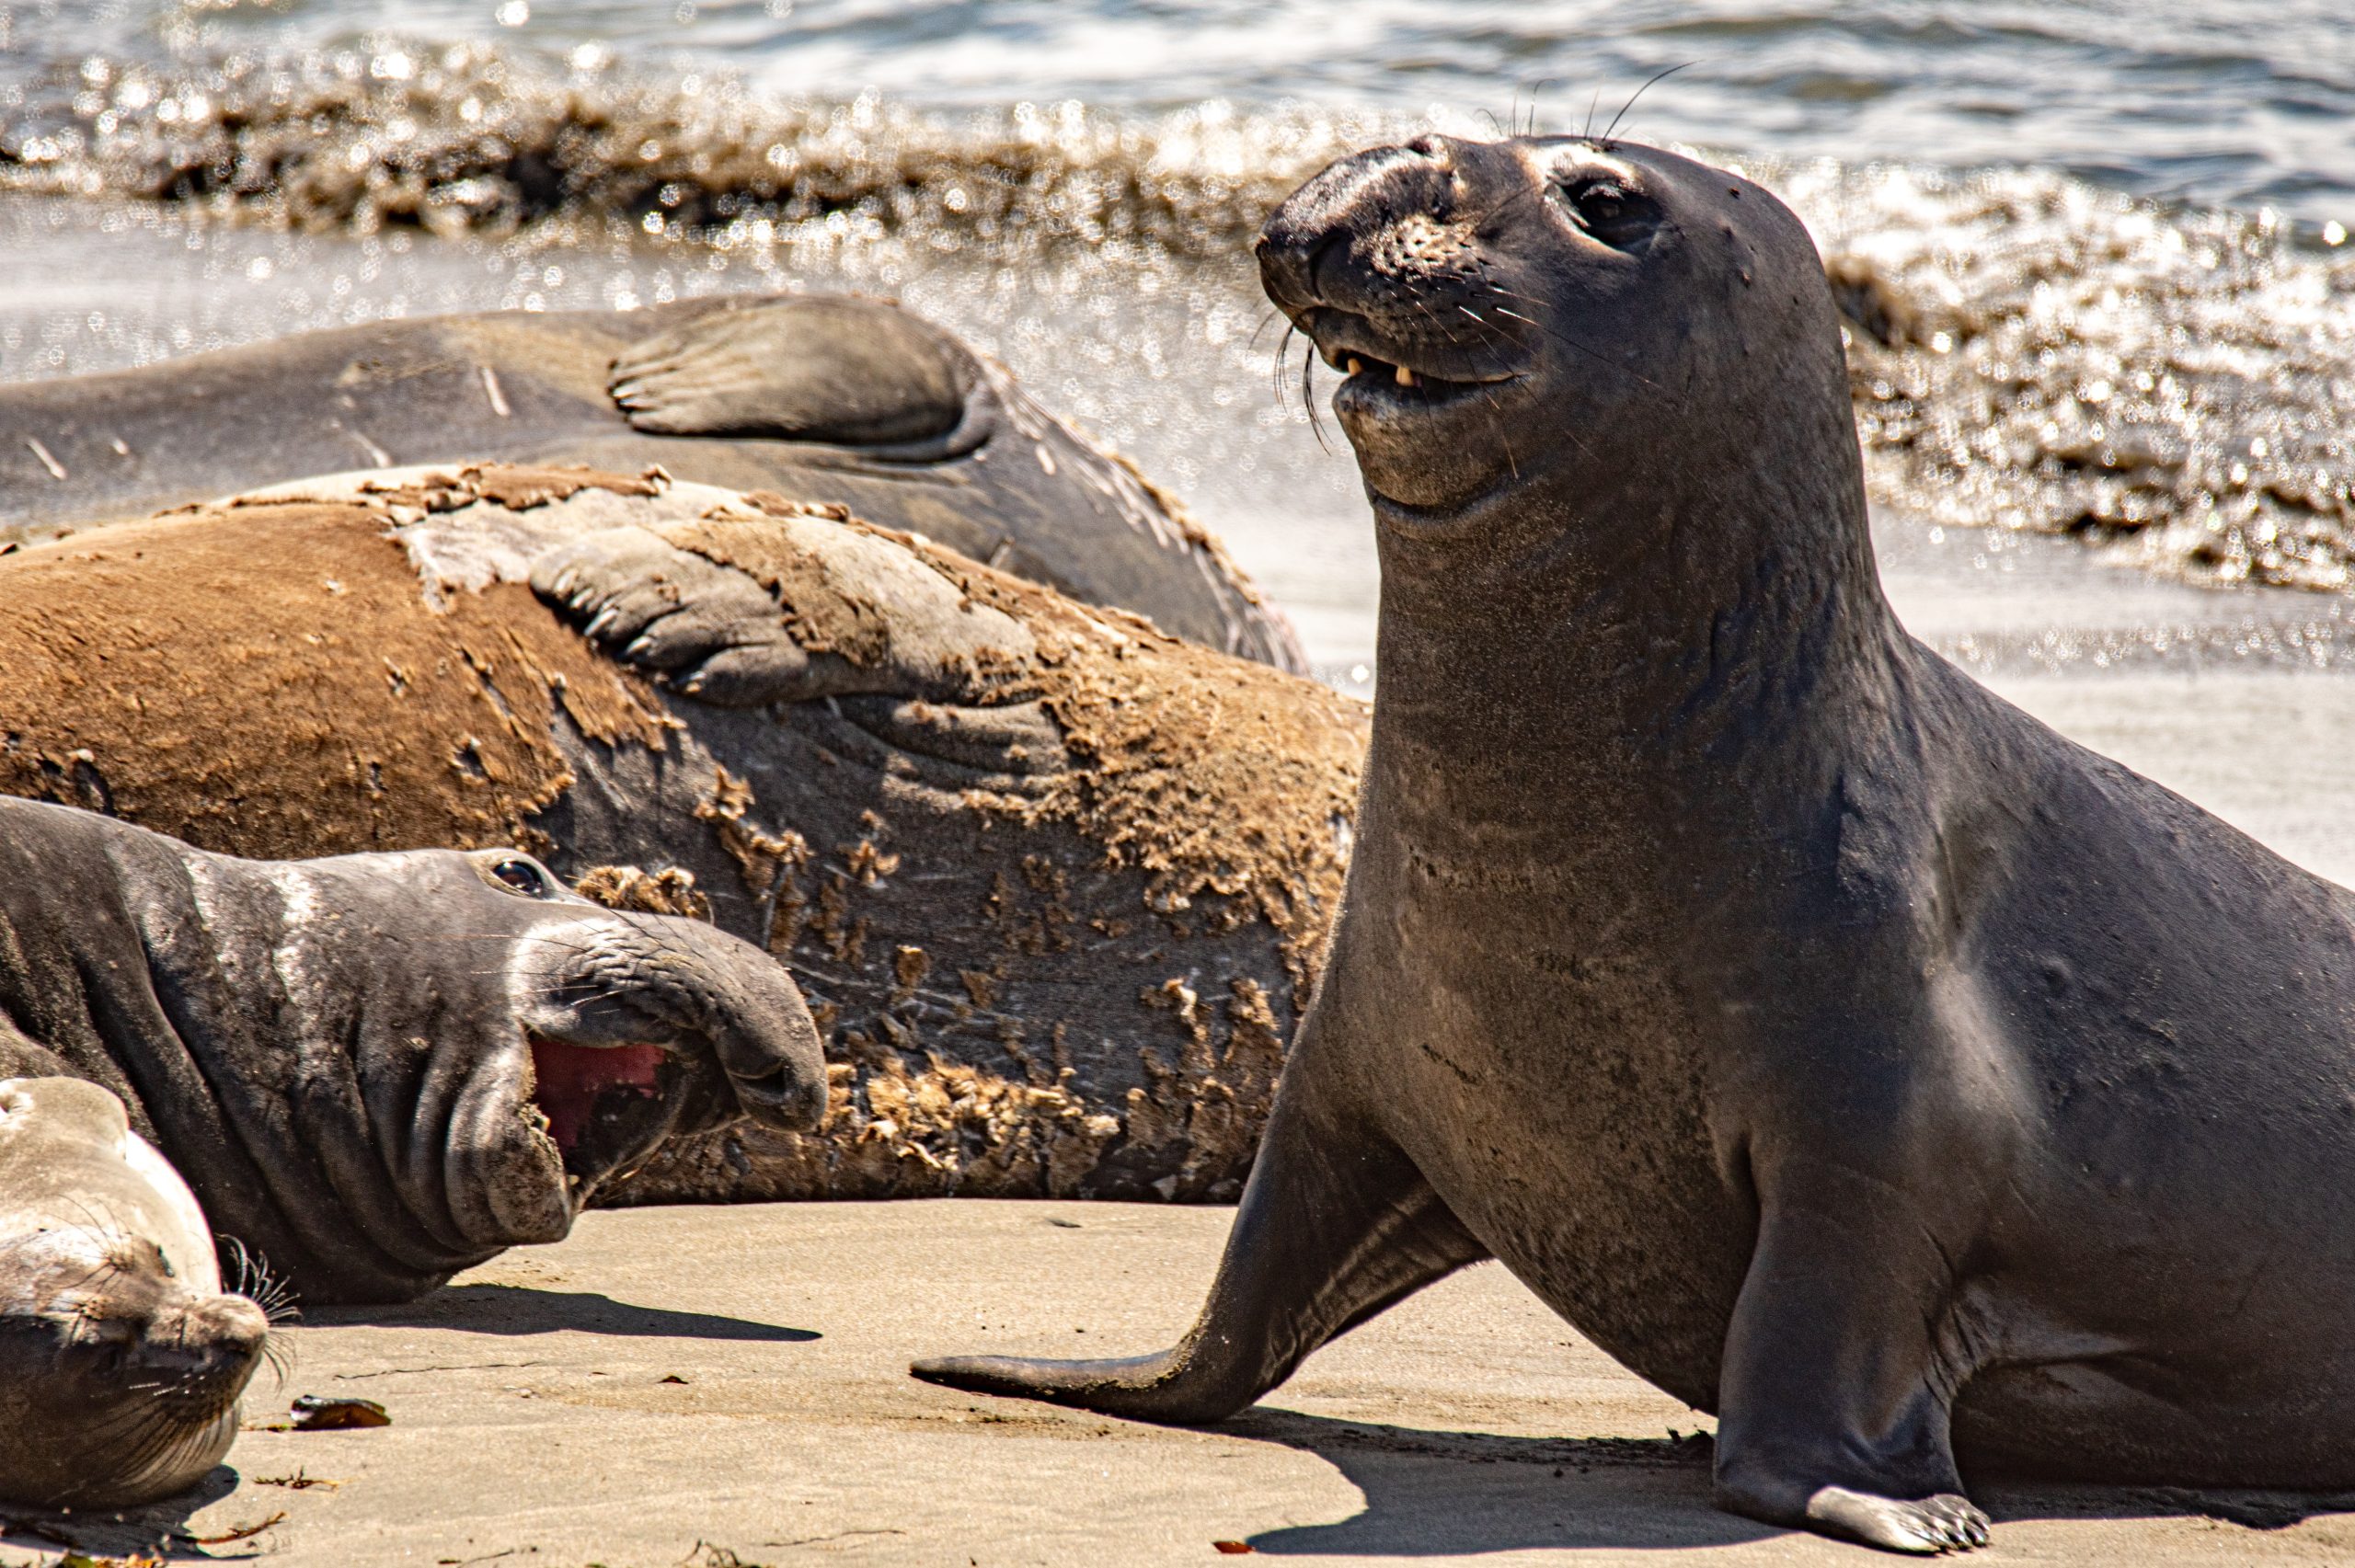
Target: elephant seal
[(121, 1357), (1843, 1050), (375, 1070), (823, 397), (1053, 880)]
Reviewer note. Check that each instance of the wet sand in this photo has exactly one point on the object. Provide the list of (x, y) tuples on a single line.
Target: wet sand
[(735, 1378)]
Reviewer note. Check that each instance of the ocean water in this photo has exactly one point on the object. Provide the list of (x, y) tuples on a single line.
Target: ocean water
[(2095, 254)]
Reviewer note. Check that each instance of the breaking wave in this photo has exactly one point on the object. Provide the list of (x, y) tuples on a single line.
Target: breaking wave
[(467, 139), (2027, 349)]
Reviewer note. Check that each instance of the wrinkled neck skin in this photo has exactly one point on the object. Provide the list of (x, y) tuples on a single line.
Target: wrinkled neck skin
[(275, 1040), (1603, 664), (316, 1030)]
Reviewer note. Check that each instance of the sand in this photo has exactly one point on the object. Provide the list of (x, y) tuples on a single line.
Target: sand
[(734, 1378)]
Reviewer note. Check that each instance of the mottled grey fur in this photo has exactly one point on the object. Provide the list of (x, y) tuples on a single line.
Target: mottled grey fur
[(338, 1055)]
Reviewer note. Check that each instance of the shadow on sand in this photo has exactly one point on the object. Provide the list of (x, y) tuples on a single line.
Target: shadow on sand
[(157, 1530), (521, 1310), (1435, 1494)]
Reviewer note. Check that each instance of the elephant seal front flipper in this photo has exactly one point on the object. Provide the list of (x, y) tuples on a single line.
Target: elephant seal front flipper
[(835, 369), (1337, 1225), (786, 607), (722, 617)]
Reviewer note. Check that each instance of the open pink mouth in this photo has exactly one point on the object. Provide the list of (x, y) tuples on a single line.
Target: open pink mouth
[(571, 1079)]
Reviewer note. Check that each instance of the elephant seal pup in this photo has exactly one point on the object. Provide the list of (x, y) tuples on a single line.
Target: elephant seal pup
[(823, 397), (1054, 881), (375, 1071), (1838, 1047), (121, 1357)]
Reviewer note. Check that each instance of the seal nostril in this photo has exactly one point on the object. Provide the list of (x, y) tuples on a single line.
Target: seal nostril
[(1316, 259), (1428, 146)]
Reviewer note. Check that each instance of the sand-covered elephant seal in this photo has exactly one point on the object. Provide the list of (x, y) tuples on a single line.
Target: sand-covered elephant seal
[(377, 1070), (1838, 1047), (121, 1356), (1054, 881), (824, 397)]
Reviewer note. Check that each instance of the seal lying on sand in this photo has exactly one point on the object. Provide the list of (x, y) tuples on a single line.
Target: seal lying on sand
[(1052, 879), (822, 398), (1838, 1047), (120, 1359), (378, 1070)]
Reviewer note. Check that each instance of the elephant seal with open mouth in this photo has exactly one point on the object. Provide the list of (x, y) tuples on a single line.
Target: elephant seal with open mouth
[(1838, 1047), (1054, 881), (121, 1356), (824, 397), (376, 1069)]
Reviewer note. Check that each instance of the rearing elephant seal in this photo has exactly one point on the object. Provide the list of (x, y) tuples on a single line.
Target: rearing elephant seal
[(1838, 1047), (121, 1358), (823, 397), (378, 1070)]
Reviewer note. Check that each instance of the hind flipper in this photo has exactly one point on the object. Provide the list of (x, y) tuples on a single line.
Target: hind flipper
[(832, 369)]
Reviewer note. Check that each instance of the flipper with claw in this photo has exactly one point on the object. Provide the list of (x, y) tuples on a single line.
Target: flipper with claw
[(750, 613), (1335, 1226), (828, 368)]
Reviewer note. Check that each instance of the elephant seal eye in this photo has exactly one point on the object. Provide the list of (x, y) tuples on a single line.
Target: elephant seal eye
[(1607, 209), (520, 876)]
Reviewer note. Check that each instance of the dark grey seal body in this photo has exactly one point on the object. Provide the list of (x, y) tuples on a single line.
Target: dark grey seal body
[(121, 1356), (826, 398), (377, 1070), (1054, 881), (1837, 1046)]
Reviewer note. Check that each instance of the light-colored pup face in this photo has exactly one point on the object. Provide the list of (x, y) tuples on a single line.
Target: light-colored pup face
[(121, 1358)]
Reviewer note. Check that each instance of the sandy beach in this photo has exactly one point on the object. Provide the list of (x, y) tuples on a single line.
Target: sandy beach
[(716, 1387)]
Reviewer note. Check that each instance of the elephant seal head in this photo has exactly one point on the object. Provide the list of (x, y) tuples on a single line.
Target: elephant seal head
[(122, 1359), (430, 1056)]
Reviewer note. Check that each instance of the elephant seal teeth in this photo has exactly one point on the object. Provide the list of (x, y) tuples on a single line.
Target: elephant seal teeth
[(1406, 376)]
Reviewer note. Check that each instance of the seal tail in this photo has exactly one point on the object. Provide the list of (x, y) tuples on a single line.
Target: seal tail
[(1335, 1227)]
